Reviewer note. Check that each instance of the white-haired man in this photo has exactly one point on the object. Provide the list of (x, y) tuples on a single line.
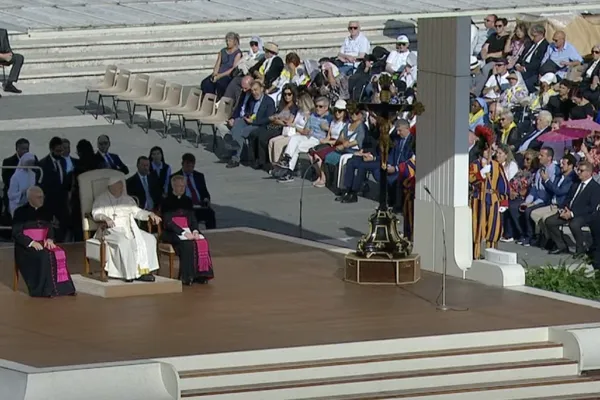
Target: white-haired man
[(131, 252)]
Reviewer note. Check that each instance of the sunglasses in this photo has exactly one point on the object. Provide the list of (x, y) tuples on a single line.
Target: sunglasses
[(321, 106), (596, 51), (499, 26), (352, 28), (287, 93), (337, 110), (401, 44), (253, 43)]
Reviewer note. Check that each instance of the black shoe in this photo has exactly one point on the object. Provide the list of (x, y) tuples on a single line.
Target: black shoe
[(559, 251), (350, 198), (202, 281), (232, 164), (189, 282), (9, 87), (341, 196), (146, 278), (128, 280)]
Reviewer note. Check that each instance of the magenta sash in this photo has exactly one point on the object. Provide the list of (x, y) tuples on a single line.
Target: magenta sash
[(204, 260), (39, 235)]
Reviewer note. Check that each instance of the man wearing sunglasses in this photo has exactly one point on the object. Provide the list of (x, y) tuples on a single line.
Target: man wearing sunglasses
[(355, 47)]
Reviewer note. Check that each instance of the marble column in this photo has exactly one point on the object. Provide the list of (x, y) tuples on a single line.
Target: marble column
[(444, 46)]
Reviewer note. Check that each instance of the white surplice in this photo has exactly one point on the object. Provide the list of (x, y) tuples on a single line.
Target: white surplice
[(131, 252)]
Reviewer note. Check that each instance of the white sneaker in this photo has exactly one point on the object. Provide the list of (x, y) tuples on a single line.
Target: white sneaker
[(507, 240)]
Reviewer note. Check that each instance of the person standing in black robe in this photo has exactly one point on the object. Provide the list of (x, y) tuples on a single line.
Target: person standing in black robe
[(181, 231), (42, 264)]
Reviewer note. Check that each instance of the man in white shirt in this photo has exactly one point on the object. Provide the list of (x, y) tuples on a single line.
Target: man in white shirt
[(355, 47), (498, 81), (396, 60)]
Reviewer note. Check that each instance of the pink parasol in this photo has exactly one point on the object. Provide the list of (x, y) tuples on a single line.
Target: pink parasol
[(572, 133), (587, 124), (555, 137)]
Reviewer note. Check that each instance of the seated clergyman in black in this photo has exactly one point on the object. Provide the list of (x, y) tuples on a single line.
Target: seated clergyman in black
[(42, 263)]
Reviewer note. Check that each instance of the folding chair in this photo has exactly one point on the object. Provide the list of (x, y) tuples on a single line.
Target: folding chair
[(172, 99), (107, 83), (191, 105), (221, 116), (155, 95), (120, 88), (205, 108), (138, 90)]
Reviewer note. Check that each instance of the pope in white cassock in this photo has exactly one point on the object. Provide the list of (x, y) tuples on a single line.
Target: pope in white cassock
[(131, 252)]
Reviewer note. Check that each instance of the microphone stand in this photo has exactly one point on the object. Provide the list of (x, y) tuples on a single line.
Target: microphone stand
[(443, 306)]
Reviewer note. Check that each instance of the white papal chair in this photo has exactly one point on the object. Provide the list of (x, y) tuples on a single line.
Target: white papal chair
[(91, 185)]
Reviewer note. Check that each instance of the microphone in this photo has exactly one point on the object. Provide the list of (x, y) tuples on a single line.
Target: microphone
[(443, 306)]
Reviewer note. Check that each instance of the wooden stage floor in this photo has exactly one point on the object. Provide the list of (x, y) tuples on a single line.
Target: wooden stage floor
[(267, 293)]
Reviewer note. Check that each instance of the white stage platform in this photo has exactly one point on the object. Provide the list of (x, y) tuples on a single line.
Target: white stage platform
[(24, 15)]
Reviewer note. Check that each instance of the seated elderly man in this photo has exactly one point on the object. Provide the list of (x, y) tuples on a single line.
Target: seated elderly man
[(131, 253), (355, 47), (42, 264)]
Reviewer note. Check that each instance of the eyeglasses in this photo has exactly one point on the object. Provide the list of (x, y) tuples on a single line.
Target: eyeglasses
[(352, 28), (287, 93)]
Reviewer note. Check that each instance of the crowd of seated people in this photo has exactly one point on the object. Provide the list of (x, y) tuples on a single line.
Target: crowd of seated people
[(522, 88), (42, 203)]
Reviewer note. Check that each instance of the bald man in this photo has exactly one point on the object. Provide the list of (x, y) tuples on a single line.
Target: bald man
[(560, 56), (243, 98), (42, 264)]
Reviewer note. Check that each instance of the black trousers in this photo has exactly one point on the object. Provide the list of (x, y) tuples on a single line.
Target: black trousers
[(206, 215), (553, 224), (595, 229), (16, 61), (258, 143)]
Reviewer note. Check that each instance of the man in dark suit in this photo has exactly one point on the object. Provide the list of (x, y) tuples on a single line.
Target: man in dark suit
[(358, 166), (21, 147), (145, 186), (530, 61), (109, 160), (197, 191), (577, 213), (7, 57), (531, 140), (55, 185), (257, 113)]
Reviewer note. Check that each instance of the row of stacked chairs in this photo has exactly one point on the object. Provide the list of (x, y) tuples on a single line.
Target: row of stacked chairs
[(137, 90)]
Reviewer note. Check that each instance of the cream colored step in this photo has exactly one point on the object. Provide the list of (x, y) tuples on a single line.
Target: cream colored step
[(555, 388), (356, 366), (422, 380)]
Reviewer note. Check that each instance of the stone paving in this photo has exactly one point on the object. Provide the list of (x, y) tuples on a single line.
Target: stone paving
[(241, 196)]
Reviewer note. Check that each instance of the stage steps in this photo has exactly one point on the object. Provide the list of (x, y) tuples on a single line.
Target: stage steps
[(82, 55), (505, 367)]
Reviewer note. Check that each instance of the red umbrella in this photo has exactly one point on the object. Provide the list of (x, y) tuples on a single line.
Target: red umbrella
[(555, 137), (587, 124)]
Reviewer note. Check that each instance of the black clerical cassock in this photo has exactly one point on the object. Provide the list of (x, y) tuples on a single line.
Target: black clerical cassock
[(195, 264), (44, 271)]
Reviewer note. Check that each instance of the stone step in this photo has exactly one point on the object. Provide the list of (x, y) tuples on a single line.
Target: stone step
[(309, 48)]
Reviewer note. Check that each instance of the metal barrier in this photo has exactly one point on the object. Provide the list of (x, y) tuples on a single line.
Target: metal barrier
[(8, 228)]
